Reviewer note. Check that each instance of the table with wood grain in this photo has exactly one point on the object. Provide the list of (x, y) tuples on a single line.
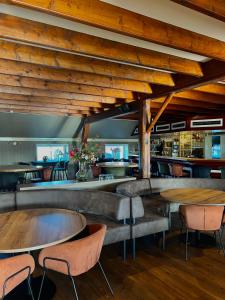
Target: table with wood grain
[(35, 229), (198, 196)]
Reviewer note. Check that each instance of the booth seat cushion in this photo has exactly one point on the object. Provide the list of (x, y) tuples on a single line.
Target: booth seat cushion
[(116, 232), (108, 204), (7, 202), (149, 224)]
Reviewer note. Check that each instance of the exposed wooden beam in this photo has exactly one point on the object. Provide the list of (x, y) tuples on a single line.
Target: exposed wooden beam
[(49, 106), (55, 94), (44, 35), (160, 112), (195, 103), (28, 82), (36, 71), (212, 8), (213, 71), (202, 96), (43, 100), (212, 88), (85, 133), (56, 59), (144, 139), (113, 18)]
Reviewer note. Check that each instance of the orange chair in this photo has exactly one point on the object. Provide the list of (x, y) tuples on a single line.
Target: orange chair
[(176, 170), (13, 271), (202, 218), (76, 257)]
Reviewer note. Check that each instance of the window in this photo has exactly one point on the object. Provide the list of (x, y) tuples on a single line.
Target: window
[(216, 151), (116, 151), (54, 152)]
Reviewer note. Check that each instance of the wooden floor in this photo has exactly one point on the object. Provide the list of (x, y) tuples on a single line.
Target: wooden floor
[(154, 275)]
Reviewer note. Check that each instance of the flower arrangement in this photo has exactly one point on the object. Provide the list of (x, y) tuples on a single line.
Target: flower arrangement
[(86, 153)]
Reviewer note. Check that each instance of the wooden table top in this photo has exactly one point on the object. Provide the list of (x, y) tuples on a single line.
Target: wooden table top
[(19, 168), (33, 229), (194, 196)]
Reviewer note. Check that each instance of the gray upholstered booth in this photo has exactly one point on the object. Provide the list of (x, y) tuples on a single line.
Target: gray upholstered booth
[(149, 190), (102, 207), (154, 218)]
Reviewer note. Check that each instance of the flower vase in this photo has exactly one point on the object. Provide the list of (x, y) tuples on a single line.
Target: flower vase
[(82, 173)]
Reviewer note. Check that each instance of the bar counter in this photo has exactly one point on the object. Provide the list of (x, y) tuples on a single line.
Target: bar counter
[(213, 163), (198, 167)]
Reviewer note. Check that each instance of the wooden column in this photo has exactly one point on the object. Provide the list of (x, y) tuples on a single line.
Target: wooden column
[(85, 133), (144, 139)]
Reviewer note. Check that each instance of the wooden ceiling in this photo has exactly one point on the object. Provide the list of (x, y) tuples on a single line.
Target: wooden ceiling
[(46, 69)]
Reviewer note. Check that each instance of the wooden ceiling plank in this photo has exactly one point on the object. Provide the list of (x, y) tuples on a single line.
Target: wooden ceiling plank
[(28, 82), (56, 59), (212, 8), (113, 18), (15, 28), (9, 67)]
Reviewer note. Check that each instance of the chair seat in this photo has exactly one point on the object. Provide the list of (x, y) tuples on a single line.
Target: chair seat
[(155, 203), (116, 232)]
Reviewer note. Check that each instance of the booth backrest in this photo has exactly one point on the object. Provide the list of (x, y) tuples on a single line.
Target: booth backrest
[(95, 202), (140, 187), (7, 202), (134, 188)]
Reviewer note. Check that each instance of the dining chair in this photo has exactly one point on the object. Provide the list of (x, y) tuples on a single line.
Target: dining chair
[(13, 271), (202, 218), (75, 257), (176, 170)]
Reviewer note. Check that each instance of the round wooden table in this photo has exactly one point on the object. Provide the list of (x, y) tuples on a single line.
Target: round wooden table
[(19, 168), (198, 196), (34, 229)]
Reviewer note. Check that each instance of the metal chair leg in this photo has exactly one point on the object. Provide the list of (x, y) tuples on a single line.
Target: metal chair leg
[(106, 279), (221, 242), (134, 248), (163, 240), (42, 281), (124, 250), (74, 287), (30, 289), (186, 246)]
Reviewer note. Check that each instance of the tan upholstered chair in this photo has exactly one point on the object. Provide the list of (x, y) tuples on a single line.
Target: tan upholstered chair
[(202, 218), (76, 257), (13, 271)]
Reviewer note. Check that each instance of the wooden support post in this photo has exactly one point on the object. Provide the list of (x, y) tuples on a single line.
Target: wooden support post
[(85, 133), (144, 136), (159, 113)]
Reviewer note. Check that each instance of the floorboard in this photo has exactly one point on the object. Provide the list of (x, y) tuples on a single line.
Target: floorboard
[(154, 275)]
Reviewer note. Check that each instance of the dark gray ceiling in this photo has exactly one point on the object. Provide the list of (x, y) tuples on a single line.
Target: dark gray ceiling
[(41, 126)]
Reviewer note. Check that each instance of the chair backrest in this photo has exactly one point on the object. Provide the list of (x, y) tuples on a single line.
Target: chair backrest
[(202, 217), (176, 170), (82, 254), (163, 168)]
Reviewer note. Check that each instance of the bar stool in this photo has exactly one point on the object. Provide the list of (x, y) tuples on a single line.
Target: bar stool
[(59, 172), (164, 170)]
